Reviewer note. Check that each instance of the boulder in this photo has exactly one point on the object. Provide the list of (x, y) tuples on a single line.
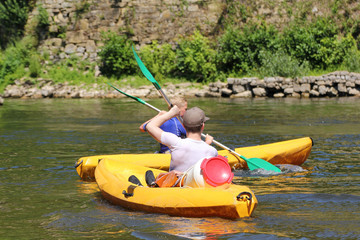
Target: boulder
[(259, 92), (279, 95), (314, 93), (238, 89), (225, 92), (353, 92), (322, 90), (246, 94), (47, 91), (70, 48), (341, 88), (288, 91), (305, 88)]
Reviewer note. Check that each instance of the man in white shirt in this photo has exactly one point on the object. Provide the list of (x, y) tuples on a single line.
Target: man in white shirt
[(184, 152)]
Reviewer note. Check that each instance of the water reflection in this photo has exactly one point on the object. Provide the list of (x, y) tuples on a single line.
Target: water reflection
[(87, 187), (208, 228)]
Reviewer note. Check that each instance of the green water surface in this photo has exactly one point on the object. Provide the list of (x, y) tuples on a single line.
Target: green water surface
[(42, 197)]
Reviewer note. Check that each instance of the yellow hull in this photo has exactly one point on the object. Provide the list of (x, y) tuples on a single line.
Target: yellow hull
[(294, 152), (232, 201)]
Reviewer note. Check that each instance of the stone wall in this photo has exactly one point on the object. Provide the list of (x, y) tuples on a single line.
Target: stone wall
[(76, 26), (335, 84)]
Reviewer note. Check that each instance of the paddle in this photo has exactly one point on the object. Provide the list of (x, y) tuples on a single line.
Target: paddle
[(253, 163), (150, 77), (135, 98)]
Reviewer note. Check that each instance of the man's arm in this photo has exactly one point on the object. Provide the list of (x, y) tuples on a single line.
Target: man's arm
[(142, 127), (153, 127)]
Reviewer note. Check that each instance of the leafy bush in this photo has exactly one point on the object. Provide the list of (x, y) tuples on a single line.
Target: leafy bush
[(281, 64), (160, 60), (42, 18), (239, 49), (13, 17), (333, 50), (195, 58), (34, 66), (14, 57), (311, 42), (352, 61), (116, 56)]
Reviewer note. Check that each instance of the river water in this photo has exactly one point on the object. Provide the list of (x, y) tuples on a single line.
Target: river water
[(42, 197)]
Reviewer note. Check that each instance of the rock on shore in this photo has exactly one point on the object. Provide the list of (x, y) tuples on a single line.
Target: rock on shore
[(336, 84)]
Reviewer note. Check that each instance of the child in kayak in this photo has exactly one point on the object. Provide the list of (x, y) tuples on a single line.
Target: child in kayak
[(172, 125), (184, 152)]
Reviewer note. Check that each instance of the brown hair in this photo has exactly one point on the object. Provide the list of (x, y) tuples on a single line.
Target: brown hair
[(193, 129), (178, 101)]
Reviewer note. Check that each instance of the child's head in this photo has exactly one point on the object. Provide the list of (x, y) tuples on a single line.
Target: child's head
[(181, 103)]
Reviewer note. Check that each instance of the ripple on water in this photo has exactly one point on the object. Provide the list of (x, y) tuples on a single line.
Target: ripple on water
[(329, 215)]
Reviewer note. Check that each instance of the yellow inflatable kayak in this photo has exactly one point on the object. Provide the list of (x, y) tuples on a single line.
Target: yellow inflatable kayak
[(226, 201), (294, 152)]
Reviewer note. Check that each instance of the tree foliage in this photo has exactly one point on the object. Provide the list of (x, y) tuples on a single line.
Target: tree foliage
[(195, 58), (239, 49), (13, 17), (159, 59), (116, 56)]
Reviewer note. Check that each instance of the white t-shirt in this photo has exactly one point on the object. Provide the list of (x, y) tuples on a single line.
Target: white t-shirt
[(186, 152)]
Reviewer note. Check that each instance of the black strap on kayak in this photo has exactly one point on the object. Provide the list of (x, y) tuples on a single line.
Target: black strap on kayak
[(130, 191), (244, 195), (78, 164), (127, 194)]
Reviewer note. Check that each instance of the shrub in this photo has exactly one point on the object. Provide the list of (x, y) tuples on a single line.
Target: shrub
[(42, 18), (160, 60), (14, 56), (34, 66), (281, 64), (13, 17), (238, 49), (333, 51), (352, 61), (116, 56), (312, 42), (195, 58)]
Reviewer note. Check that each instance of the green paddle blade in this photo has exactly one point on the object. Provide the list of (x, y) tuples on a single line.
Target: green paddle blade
[(128, 95), (145, 71), (255, 163)]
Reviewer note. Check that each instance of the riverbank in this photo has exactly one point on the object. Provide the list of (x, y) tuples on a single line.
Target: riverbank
[(335, 84)]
